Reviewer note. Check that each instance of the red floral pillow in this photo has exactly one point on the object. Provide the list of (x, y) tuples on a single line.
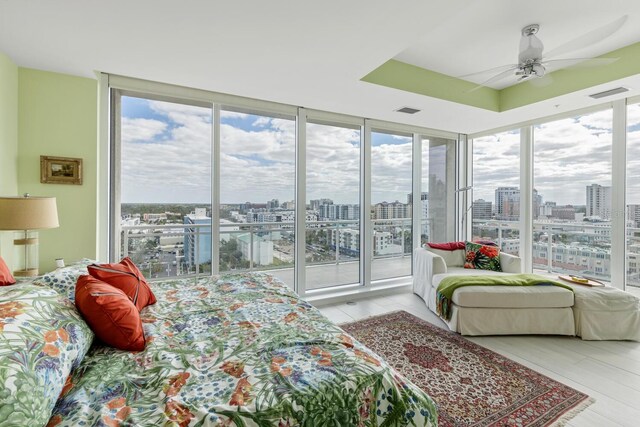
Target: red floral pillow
[(481, 257)]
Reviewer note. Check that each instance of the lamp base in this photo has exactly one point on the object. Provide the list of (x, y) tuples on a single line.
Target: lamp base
[(30, 272)]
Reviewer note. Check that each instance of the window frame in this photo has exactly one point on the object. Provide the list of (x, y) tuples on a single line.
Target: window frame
[(111, 86)]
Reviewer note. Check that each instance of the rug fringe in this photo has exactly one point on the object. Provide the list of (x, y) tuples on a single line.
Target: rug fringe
[(564, 418)]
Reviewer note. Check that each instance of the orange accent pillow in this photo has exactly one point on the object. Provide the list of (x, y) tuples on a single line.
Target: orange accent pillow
[(6, 278), (126, 277), (110, 314)]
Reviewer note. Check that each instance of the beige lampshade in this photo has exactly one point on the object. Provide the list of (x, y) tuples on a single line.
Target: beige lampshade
[(28, 213)]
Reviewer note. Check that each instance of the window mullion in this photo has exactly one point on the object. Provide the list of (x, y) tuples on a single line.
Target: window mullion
[(300, 203), (618, 197), (215, 191), (366, 226)]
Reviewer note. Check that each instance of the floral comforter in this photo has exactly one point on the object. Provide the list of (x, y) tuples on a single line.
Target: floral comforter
[(239, 350)]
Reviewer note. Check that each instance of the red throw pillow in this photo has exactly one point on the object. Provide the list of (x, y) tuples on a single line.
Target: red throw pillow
[(126, 277), (110, 314), (6, 278), (448, 246)]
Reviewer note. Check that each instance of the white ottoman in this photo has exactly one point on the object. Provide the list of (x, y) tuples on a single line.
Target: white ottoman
[(511, 310), (606, 313)]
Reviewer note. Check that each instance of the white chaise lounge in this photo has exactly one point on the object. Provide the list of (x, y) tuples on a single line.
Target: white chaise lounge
[(493, 310), (605, 313)]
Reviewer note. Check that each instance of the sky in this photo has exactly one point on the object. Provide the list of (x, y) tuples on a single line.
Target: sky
[(166, 158), (569, 154)]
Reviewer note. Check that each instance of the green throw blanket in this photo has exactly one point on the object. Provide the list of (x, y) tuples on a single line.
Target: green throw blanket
[(448, 285)]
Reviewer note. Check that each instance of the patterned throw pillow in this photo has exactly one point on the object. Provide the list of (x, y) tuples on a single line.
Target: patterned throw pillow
[(482, 257), (42, 339), (64, 279)]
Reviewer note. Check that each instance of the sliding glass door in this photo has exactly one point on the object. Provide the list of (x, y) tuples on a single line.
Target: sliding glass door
[(333, 207), (257, 193), (390, 210), (633, 196), (437, 203), (496, 190), (165, 229), (572, 179)]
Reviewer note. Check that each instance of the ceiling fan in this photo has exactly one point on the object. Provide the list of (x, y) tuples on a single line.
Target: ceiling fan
[(532, 63)]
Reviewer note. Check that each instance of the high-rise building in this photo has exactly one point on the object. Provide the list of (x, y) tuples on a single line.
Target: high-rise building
[(507, 203), (338, 212), (537, 202), (598, 201), (546, 209), (197, 240), (273, 204), (384, 210), (256, 249), (633, 215), (482, 209), (564, 212), (315, 204), (424, 208)]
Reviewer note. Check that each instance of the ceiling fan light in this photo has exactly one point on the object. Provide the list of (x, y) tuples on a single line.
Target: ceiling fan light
[(538, 69), (530, 48)]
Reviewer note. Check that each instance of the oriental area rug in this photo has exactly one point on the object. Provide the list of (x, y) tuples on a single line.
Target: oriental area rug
[(471, 386)]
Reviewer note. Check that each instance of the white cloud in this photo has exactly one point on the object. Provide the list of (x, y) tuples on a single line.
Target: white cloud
[(224, 114), (259, 164), (569, 154), (391, 172), (496, 163), (633, 115), (141, 130), (176, 167)]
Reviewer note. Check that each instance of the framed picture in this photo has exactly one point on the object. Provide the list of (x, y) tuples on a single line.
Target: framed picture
[(60, 170)]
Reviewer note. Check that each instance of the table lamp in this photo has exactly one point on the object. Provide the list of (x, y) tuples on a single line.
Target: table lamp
[(26, 214)]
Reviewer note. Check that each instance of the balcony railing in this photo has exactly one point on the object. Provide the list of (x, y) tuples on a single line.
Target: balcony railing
[(185, 249), (571, 248)]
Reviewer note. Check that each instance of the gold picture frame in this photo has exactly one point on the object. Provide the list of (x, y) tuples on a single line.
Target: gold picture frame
[(60, 170)]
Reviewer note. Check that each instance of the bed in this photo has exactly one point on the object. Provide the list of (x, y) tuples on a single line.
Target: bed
[(238, 349)]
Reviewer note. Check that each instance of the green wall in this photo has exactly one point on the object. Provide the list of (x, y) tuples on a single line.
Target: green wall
[(57, 116), (8, 143)]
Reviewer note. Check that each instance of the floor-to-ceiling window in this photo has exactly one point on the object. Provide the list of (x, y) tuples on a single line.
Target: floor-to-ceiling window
[(572, 203), (496, 190), (437, 201), (257, 193), (333, 205), (200, 185), (165, 229), (633, 196), (391, 192)]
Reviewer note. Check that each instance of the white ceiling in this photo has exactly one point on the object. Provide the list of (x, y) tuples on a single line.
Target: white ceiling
[(311, 54)]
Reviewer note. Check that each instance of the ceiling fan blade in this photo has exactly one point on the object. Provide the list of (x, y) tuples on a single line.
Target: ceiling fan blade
[(495, 69), (579, 62), (542, 81), (589, 38), (494, 79)]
